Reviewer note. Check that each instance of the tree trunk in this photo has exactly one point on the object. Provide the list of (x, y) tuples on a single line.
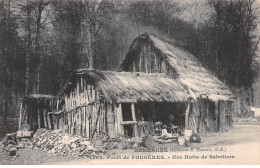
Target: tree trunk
[(91, 49), (37, 48), (28, 48)]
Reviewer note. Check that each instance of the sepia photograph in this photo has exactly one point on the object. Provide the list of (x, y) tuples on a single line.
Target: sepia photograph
[(129, 82)]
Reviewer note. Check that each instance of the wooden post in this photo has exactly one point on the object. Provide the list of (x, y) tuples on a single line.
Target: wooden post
[(114, 110), (71, 122), (87, 124), (207, 116), (216, 115), (120, 119), (39, 119), (83, 121), (110, 122), (44, 118), (187, 116), (49, 121), (80, 123), (134, 118), (21, 114)]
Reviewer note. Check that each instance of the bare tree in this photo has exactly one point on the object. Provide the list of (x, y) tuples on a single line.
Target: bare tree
[(40, 5)]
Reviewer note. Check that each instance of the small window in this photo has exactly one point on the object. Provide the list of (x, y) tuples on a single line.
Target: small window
[(127, 113)]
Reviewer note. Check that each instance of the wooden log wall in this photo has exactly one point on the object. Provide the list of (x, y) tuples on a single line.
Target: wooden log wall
[(192, 115), (213, 116), (150, 61), (86, 112), (221, 108), (83, 94), (35, 111), (226, 109), (87, 121)]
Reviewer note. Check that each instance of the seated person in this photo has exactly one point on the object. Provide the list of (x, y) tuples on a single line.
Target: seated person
[(174, 129), (165, 132), (171, 127)]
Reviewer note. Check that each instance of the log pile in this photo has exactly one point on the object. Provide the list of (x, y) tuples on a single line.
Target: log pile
[(58, 143)]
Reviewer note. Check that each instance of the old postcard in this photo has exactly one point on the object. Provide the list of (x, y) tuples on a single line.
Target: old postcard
[(129, 82)]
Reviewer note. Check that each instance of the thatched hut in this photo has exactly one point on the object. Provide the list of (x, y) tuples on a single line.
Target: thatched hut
[(163, 82), (212, 106), (117, 103)]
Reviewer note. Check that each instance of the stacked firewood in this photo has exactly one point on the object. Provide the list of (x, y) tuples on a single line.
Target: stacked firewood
[(56, 142)]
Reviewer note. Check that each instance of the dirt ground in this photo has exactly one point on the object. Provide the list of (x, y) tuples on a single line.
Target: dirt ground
[(242, 142)]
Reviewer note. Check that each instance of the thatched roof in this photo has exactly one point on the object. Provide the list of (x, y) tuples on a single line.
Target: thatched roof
[(140, 86), (199, 81)]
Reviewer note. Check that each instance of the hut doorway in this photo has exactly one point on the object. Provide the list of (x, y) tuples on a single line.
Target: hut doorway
[(127, 116), (169, 114), (128, 119)]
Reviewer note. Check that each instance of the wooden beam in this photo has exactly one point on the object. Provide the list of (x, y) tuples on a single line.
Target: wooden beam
[(187, 116), (128, 122), (126, 100)]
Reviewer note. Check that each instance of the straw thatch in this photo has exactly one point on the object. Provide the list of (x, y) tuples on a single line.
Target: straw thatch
[(140, 86), (199, 81)]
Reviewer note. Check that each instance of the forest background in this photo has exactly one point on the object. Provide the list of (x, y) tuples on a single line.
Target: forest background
[(41, 40)]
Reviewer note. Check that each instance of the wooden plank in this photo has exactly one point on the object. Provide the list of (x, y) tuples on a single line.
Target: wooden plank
[(69, 122), (45, 119), (128, 122), (83, 122), (39, 119), (119, 100), (49, 121), (20, 114), (93, 93), (120, 119), (116, 118), (80, 121), (140, 61), (81, 84), (87, 123), (72, 122)]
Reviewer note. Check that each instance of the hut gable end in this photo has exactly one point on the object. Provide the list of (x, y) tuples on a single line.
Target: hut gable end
[(150, 54), (145, 57)]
